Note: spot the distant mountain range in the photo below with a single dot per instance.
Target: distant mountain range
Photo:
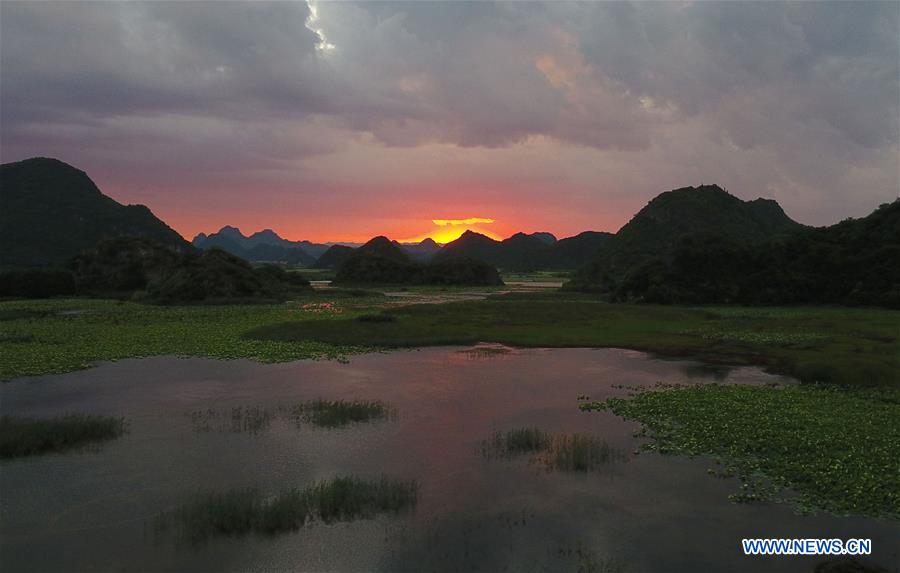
(51, 211)
(527, 252)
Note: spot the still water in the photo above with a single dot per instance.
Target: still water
(94, 510)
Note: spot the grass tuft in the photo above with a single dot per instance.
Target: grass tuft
(562, 452)
(26, 436)
(336, 413)
(239, 512)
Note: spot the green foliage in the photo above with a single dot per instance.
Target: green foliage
(26, 436)
(856, 262)
(61, 335)
(154, 273)
(838, 450)
(36, 283)
(336, 413)
(240, 512)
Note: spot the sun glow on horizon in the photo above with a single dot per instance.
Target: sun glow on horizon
(448, 230)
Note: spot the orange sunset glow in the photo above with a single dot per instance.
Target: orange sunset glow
(447, 230)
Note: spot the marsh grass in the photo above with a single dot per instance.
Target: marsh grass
(26, 436)
(579, 453)
(240, 419)
(561, 452)
(239, 512)
(337, 413)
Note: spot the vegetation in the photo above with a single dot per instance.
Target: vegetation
(153, 273)
(336, 413)
(367, 268)
(239, 512)
(26, 436)
(822, 344)
(837, 450)
(53, 211)
(562, 452)
(856, 262)
(36, 283)
(61, 335)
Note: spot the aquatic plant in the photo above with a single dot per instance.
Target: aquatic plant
(837, 449)
(243, 511)
(336, 413)
(27, 436)
(562, 452)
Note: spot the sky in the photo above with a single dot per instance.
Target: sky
(338, 121)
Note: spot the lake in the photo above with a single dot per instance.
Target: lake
(94, 510)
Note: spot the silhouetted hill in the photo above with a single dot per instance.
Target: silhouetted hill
(854, 262)
(548, 238)
(573, 252)
(657, 228)
(334, 256)
(421, 252)
(261, 246)
(522, 252)
(51, 211)
(471, 245)
(383, 247)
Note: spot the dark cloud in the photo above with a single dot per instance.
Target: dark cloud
(797, 100)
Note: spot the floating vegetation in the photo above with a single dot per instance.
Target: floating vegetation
(239, 512)
(837, 449)
(336, 413)
(26, 436)
(240, 419)
(562, 452)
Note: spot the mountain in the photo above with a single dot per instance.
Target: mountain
(856, 262)
(334, 256)
(261, 246)
(421, 252)
(573, 252)
(52, 211)
(548, 238)
(526, 252)
(383, 247)
(657, 229)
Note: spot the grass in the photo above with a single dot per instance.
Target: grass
(561, 452)
(837, 450)
(239, 512)
(26, 436)
(851, 346)
(336, 413)
(62, 335)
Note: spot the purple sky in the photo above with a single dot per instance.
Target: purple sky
(339, 121)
